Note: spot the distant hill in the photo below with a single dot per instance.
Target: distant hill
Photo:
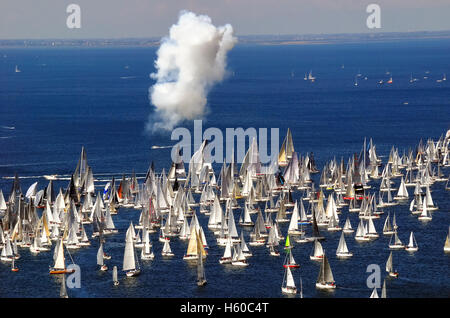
(286, 39)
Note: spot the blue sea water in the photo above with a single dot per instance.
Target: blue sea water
(66, 98)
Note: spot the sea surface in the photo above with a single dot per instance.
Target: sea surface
(66, 98)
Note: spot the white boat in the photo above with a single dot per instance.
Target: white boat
(412, 244)
(390, 267)
(447, 242)
(227, 255)
(347, 227)
(244, 246)
(147, 251)
(360, 234)
(325, 280)
(425, 215)
(374, 293)
(288, 286)
(383, 290)
(60, 262)
(130, 262)
(395, 243)
(7, 254)
(402, 193)
(342, 250)
(201, 278)
(114, 275)
(318, 252)
(239, 258)
(17, 70)
(371, 231)
(311, 77)
(100, 258)
(387, 228)
(167, 251)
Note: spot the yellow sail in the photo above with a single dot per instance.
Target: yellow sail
(45, 223)
(282, 158)
(200, 245)
(17, 231)
(195, 244)
(192, 246)
(289, 144)
(237, 191)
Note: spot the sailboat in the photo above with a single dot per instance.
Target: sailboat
(425, 215)
(447, 242)
(288, 286)
(17, 69)
(289, 260)
(347, 227)
(100, 261)
(402, 193)
(147, 252)
(244, 246)
(361, 235)
(60, 264)
(387, 228)
(342, 250)
(192, 250)
(286, 150)
(227, 255)
(7, 254)
(167, 251)
(390, 267)
(383, 290)
(318, 252)
(325, 280)
(311, 77)
(130, 262)
(239, 258)
(114, 274)
(397, 244)
(374, 293)
(13, 266)
(201, 278)
(412, 244)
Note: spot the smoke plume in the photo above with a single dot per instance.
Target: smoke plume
(189, 62)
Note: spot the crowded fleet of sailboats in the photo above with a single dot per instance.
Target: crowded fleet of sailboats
(177, 205)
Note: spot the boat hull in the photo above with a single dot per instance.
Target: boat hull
(325, 285)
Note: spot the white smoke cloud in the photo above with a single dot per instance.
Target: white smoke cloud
(189, 62)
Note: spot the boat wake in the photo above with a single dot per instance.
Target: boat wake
(8, 127)
(161, 147)
(127, 77)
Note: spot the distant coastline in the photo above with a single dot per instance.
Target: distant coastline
(292, 39)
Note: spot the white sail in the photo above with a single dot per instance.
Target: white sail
(289, 279)
(374, 293)
(100, 255)
(128, 257)
(342, 247)
(60, 262)
(318, 249)
(2, 201)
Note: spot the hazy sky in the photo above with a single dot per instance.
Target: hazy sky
(31, 19)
